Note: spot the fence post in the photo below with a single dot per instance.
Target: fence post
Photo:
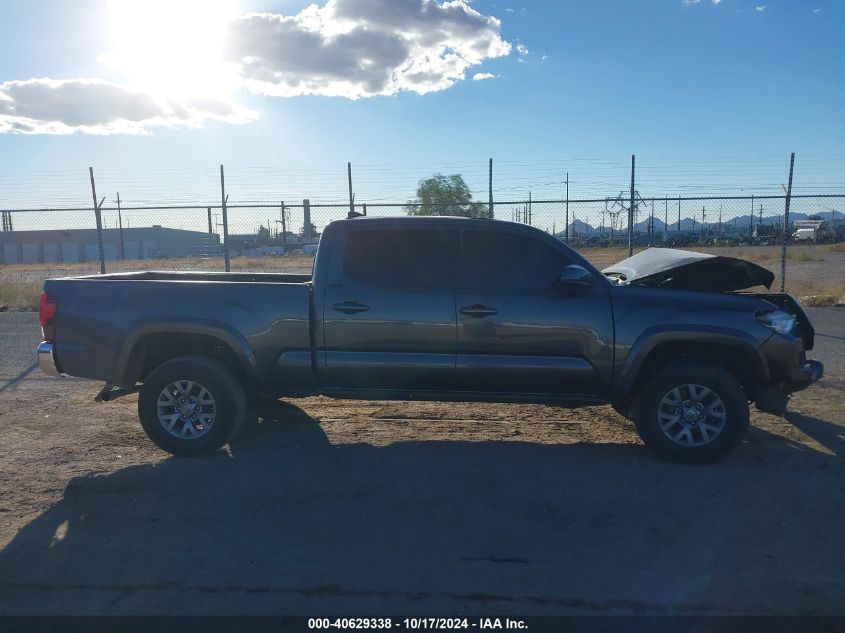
(120, 224)
(284, 225)
(351, 195)
(490, 189)
(306, 221)
(224, 199)
(786, 226)
(530, 210)
(209, 221)
(566, 228)
(98, 216)
(631, 211)
(751, 236)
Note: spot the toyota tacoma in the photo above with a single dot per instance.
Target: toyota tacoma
(447, 309)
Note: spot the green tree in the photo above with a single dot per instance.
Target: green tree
(445, 195)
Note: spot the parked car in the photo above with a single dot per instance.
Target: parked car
(448, 309)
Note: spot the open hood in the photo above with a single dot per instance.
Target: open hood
(688, 270)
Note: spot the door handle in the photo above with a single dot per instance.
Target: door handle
(350, 307)
(478, 311)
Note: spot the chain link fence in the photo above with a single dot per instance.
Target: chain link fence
(36, 244)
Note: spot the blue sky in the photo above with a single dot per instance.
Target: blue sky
(711, 97)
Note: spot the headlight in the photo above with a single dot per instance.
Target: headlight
(780, 321)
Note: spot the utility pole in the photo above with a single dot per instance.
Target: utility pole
(703, 218)
(224, 199)
(209, 221)
(720, 218)
(490, 189)
(99, 218)
(120, 226)
(349, 179)
(284, 224)
(631, 210)
(786, 225)
(567, 208)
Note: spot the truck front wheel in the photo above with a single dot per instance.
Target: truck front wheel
(191, 405)
(692, 412)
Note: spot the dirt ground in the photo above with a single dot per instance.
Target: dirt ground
(350, 507)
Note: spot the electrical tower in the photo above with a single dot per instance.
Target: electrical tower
(622, 203)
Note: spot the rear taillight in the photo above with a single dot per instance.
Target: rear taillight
(46, 309)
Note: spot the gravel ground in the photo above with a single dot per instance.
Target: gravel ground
(355, 507)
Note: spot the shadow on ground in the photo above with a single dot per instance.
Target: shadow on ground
(828, 434)
(288, 523)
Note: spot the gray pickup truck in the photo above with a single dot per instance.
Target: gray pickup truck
(437, 308)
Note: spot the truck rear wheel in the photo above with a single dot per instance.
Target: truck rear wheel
(191, 405)
(693, 412)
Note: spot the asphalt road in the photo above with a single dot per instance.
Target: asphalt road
(19, 334)
(830, 338)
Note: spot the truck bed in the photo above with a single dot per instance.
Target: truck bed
(102, 321)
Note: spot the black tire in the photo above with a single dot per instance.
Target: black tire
(650, 404)
(225, 390)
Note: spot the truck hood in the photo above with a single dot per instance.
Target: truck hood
(688, 270)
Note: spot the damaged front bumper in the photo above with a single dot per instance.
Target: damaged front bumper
(790, 371)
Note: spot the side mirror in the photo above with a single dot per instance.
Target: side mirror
(574, 278)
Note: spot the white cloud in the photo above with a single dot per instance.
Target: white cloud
(760, 7)
(363, 48)
(716, 1)
(689, 2)
(348, 48)
(509, 10)
(94, 106)
(816, 10)
(480, 76)
(544, 57)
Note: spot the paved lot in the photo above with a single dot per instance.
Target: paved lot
(354, 507)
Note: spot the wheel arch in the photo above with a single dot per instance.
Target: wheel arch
(152, 344)
(734, 351)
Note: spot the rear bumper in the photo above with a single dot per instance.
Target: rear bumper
(47, 360)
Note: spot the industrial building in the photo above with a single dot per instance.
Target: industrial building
(80, 245)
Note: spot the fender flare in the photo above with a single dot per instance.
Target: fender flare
(649, 340)
(127, 367)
